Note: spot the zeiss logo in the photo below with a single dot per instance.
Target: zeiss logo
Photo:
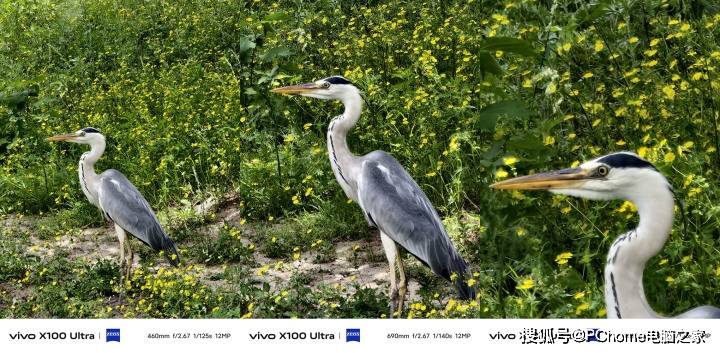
(352, 334)
(112, 334)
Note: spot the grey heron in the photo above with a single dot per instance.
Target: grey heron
(388, 196)
(118, 199)
(621, 175)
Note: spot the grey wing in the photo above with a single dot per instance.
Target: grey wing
(393, 202)
(123, 204)
(701, 312)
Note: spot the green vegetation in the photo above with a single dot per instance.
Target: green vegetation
(181, 90)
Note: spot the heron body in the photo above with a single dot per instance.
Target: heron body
(118, 200)
(388, 196)
(621, 175)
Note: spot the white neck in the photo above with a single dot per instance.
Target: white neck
(86, 171)
(341, 158)
(624, 293)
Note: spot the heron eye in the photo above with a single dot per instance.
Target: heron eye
(82, 133)
(602, 170)
(326, 85)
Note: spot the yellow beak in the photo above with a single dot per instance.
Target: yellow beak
(64, 137)
(296, 89)
(558, 179)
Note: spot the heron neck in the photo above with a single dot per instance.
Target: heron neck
(624, 292)
(88, 177)
(343, 161)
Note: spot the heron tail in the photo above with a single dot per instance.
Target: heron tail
(464, 291)
(171, 252)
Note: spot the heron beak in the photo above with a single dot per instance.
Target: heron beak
(557, 179)
(296, 89)
(64, 137)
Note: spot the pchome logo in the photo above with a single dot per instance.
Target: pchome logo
(593, 334)
(112, 334)
(352, 334)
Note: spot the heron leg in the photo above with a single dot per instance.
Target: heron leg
(122, 238)
(131, 257)
(403, 284)
(391, 252)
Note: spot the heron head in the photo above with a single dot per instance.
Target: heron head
(333, 87)
(88, 136)
(620, 175)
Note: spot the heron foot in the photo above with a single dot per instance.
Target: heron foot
(394, 303)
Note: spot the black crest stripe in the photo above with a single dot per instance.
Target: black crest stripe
(338, 80)
(91, 130)
(626, 160)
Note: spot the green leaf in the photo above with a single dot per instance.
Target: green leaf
(275, 53)
(526, 142)
(245, 44)
(276, 16)
(508, 45)
(488, 64)
(589, 14)
(490, 114)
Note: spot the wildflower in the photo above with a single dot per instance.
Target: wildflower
(582, 307)
(669, 157)
(509, 161)
(669, 91)
(563, 258)
(599, 46)
(551, 88)
(526, 284)
(501, 174)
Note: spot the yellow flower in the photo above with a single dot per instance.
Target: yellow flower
(526, 284)
(549, 140)
(633, 40)
(551, 88)
(471, 282)
(579, 295)
(669, 91)
(669, 157)
(509, 161)
(563, 258)
(587, 75)
(599, 46)
(582, 307)
(501, 174)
